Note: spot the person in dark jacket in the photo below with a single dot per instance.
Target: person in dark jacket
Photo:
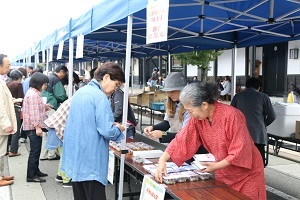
(16, 89)
(55, 91)
(117, 109)
(258, 110)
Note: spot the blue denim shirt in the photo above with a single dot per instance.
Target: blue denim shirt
(87, 133)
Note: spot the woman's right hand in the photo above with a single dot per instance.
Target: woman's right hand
(147, 130)
(121, 126)
(161, 168)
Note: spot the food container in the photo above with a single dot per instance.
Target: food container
(190, 175)
(169, 180)
(137, 159)
(181, 179)
(193, 178)
(205, 176)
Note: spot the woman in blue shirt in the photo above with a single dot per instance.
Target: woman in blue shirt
(89, 128)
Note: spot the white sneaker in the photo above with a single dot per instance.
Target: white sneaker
(23, 140)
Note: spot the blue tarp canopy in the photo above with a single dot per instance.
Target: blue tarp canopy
(193, 25)
(217, 24)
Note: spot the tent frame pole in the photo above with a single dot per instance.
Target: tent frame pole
(125, 101)
(71, 50)
(233, 70)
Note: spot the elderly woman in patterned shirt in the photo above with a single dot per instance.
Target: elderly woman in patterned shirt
(222, 130)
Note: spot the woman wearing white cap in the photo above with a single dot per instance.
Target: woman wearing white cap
(176, 116)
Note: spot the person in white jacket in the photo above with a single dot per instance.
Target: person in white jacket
(8, 121)
(226, 86)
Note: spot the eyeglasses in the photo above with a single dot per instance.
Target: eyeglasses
(118, 84)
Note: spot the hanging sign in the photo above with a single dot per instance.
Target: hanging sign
(24, 59)
(50, 54)
(43, 56)
(151, 190)
(60, 50)
(37, 58)
(111, 167)
(157, 21)
(79, 46)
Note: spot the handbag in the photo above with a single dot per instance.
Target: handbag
(131, 116)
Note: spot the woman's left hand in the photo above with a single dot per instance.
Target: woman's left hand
(213, 166)
(210, 166)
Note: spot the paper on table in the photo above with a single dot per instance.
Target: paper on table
(197, 164)
(204, 157)
(146, 161)
(148, 153)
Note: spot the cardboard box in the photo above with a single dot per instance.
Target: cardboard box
(145, 99)
(149, 89)
(160, 96)
(297, 131)
(133, 99)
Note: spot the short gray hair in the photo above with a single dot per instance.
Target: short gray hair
(197, 93)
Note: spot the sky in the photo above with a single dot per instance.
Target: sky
(26, 22)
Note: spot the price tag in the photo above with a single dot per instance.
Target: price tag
(111, 167)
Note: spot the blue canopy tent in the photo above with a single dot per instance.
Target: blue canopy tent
(196, 24)
(193, 25)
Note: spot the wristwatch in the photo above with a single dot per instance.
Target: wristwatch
(164, 133)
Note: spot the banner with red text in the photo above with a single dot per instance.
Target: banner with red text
(157, 21)
(152, 190)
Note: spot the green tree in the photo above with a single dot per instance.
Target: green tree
(42, 66)
(200, 59)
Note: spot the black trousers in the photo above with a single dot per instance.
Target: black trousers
(88, 190)
(14, 144)
(262, 151)
(34, 155)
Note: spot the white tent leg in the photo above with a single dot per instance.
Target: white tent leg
(169, 62)
(125, 102)
(47, 62)
(233, 69)
(71, 50)
(132, 69)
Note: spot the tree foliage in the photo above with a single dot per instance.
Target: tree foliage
(42, 66)
(200, 59)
